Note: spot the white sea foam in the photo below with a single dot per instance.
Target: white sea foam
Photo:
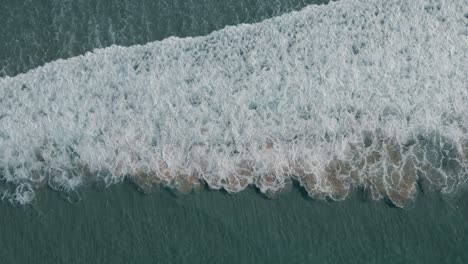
(355, 94)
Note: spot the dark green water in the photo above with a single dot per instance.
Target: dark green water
(122, 225)
(33, 32)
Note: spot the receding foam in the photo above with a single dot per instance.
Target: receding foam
(355, 94)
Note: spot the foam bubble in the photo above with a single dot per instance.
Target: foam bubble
(356, 94)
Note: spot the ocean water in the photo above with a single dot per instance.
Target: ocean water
(35, 32)
(122, 225)
(332, 133)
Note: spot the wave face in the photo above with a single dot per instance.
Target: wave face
(356, 94)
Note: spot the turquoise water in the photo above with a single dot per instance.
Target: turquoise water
(121, 224)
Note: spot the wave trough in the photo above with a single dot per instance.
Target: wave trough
(355, 94)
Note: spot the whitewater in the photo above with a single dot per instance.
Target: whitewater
(356, 94)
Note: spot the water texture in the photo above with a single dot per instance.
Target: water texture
(120, 225)
(33, 32)
(355, 101)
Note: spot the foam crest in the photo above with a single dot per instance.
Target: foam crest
(356, 94)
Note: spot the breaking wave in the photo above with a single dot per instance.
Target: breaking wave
(356, 94)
